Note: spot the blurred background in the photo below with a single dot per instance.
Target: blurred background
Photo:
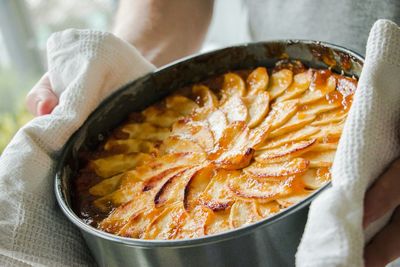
(25, 26)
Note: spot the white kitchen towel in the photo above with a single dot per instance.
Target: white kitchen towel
(370, 141)
(84, 67)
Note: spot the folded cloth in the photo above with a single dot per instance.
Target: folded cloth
(370, 141)
(84, 67)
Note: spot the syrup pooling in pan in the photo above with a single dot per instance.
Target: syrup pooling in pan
(217, 155)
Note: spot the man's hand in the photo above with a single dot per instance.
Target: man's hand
(383, 196)
(41, 99)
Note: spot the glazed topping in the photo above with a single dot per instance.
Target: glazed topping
(205, 161)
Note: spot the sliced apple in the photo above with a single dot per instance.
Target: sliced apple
(293, 199)
(218, 222)
(321, 147)
(160, 116)
(138, 222)
(257, 81)
(193, 225)
(175, 144)
(333, 116)
(247, 187)
(316, 178)
(112, 165)
(130, 146)
(258, 107)
(173, 190)
(280, 81)
(329, 133)
(120, 216)
(306, 133)
(285, 152)
(217, 122)
(196, 131)
(145, 131)
(205, 97)
(235, 109)
(217, 195)
(233, 86)
(267, 209)
(301, 82)
(106, 186)
(180, 104)
(277, 170)
(281, 113)
(243, 213)
(165, 225)
(319, 107)
(320, 159)
(197, 185)
(298, 121)
(318, 91)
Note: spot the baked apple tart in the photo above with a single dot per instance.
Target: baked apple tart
(218, 155)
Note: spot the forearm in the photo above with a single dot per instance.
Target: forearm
(164, 31)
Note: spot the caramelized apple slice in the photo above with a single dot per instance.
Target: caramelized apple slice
(130, 146)
(267, 209)
(173, 189)
(175, 144)
(196, 131)
(120, 216)
(180, 104)
(316, 178)
(165, 225)
(320, 107)
(293, 199)
(145, 131)
(281, 113)
(233, 151)
(277, 170)
(235, 109)
(106, 186)
(303, 134)
(329, 133)
(285, 152)
(138, 222)
(333, 116)
(217, 122)
(280, 81)
(298, 121)
(160, 117)
(233, 86)
(258, 107)
(217, 195)
(194, 223)
(257, 81)
(321, 147)
(246, 187)
(197, 185)
(218, 222)
(243, 213)
(320, 159)
(112, 165)
(301, 82)
(317, 90)
(205, 97)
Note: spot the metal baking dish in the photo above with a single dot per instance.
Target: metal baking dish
(269, 242)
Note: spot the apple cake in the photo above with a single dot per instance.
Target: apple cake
(217, 155)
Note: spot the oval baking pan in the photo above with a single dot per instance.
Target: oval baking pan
(269, 242)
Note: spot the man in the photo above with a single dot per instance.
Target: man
(164, 31)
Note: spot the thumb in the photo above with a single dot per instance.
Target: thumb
(41, 99)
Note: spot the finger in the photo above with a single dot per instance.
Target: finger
(41, 99)
(385, 246)
(383, 196)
